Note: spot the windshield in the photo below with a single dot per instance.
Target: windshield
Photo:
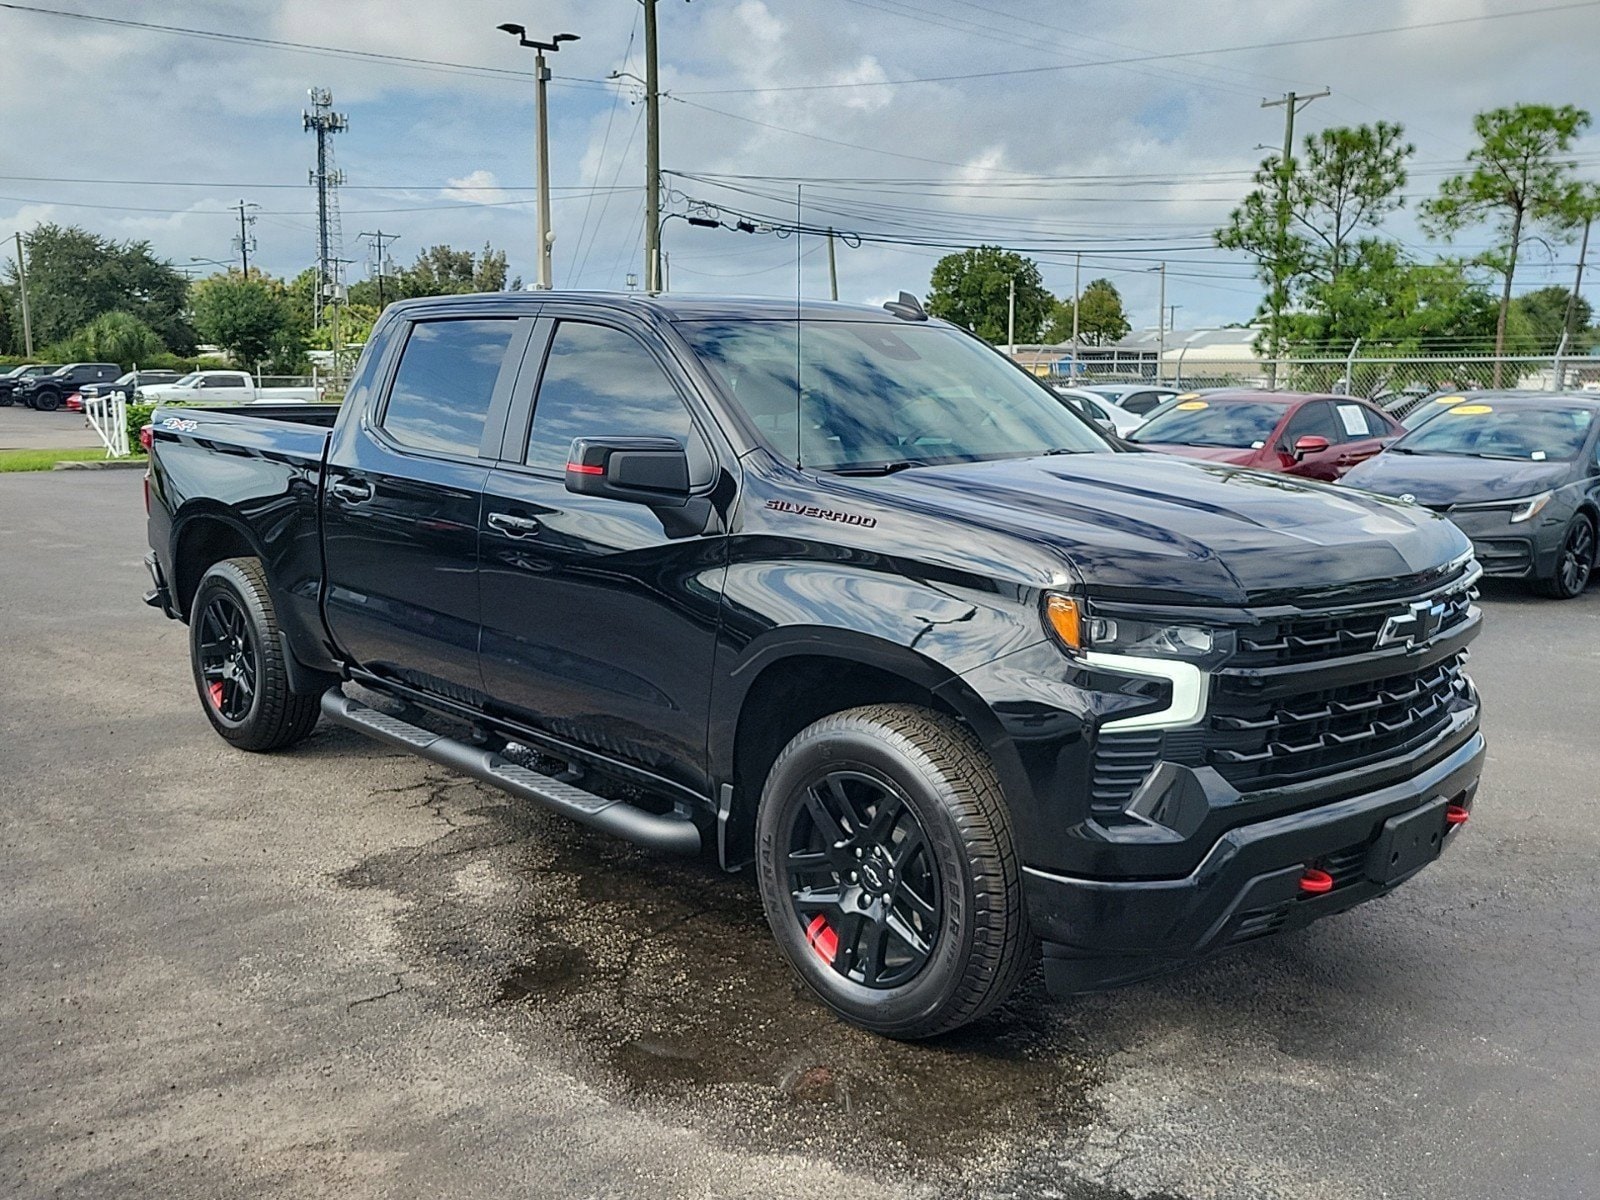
(186, 381)
(130, 377)
(879, 396)
(1429, 408)
(1524, 431)
(1236, 426)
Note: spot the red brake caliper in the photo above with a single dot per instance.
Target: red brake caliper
(822, 939)
(216, 694)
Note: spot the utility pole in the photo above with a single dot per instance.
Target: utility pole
(652, 160)
(1577, 284)
(1077, 300)
(833, 268)
(22, 288)
(541, 74)
(1172, 316)
(380, 264)
(1011, 319)
(1292, 103)
(246, 242)
(1161, 325)
(324, 122)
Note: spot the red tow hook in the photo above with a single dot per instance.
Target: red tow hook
(1456, 814)
(1316, 881)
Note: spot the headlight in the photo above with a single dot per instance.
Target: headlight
(1527, 509)
(1079, 630)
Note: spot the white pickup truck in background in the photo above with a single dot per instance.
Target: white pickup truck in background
(223, 387)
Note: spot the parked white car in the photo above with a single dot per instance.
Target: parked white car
(1099, 410)
(223, 387)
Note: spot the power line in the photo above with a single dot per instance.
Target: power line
(1143, 58)
(402, 60)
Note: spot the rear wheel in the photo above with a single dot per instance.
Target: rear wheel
(888, 873)
(238, 661)
(1574, 563)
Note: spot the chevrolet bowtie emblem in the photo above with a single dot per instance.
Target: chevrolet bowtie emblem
(1415, 627)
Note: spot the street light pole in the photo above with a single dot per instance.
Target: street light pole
(652, 160)
(541, 74)
(1161, 325)
(22, 288)
(1077, 302)
(1011, 319)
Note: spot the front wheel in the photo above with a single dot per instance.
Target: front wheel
(47, 402)
(888, 873)
(238, 660)
(1574, 563)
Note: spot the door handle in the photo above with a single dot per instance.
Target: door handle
(355, 491)
(512, 525)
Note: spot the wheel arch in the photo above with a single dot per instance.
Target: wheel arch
(201, 539)
(808, 674)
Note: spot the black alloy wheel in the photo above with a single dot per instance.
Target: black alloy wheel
(888, 873)
(1575, 562)
(229, 663)
(238, 655)
(863, 880)
(46, 401)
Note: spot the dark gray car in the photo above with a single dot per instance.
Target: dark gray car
(1519, 475)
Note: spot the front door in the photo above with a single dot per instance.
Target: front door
(600, 615)
(401, 503)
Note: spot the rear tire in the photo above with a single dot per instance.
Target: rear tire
(888, 872)
(1574, 563)
(238, 661)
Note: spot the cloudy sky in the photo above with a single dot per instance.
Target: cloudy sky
(1091, 126)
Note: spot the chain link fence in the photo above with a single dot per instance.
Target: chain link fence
(1373, 376)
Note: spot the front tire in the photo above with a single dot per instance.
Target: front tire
(1574, 562)
(47, 401)
(888, 872)
(238, 660)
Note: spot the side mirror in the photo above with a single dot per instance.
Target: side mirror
(1106, 425)
(1311, 443)
(642, 470)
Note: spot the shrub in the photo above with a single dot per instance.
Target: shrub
(138, 418)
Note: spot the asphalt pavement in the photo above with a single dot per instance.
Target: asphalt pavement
(23, 428)
(342, 972)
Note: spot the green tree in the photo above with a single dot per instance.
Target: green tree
(1348, 180)
(1538, 318)
(972, 289)
(118, 337)
(1520, 181)
(75, 276)
(246, 317)
(446, 271)
(1101, 317)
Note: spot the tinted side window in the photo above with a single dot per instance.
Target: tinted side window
(445, 383)
(1314, 420)
(601, 381)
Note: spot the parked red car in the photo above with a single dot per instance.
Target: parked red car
(1295, 433)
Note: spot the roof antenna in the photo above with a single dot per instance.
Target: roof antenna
(799, 462)
(907, 308)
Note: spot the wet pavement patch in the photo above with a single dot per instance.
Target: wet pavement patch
(657, 981)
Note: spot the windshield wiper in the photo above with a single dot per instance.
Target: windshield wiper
(883, 468)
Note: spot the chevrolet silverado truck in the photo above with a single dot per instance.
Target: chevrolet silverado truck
(842, 594)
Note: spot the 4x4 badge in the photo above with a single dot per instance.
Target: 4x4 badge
(1417, 626)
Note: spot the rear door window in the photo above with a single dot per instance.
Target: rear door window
(445, 383)
(600, 381)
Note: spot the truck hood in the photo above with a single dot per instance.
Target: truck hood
(1152, 528)
(1441, 479)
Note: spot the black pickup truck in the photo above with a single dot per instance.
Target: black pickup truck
(842, 593)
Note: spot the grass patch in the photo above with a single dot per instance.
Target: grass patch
(44, 460)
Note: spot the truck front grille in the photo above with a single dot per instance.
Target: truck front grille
(1257, 743)
(1312, 637)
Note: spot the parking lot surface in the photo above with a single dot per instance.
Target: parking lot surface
(341, 971)
(21, 428)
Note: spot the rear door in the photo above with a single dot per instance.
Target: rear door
(600, 615)
(402, 495)
(1365, 432)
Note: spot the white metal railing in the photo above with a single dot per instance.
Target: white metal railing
(108, 417)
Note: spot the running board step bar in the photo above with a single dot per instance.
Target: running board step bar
(670, 834)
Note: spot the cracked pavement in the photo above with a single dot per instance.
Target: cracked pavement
(341, 971)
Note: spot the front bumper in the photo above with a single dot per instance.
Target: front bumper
(1103, 933)
(1525, 550)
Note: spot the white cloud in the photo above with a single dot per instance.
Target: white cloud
(476, 187)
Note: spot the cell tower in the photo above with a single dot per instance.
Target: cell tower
(326, 178)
